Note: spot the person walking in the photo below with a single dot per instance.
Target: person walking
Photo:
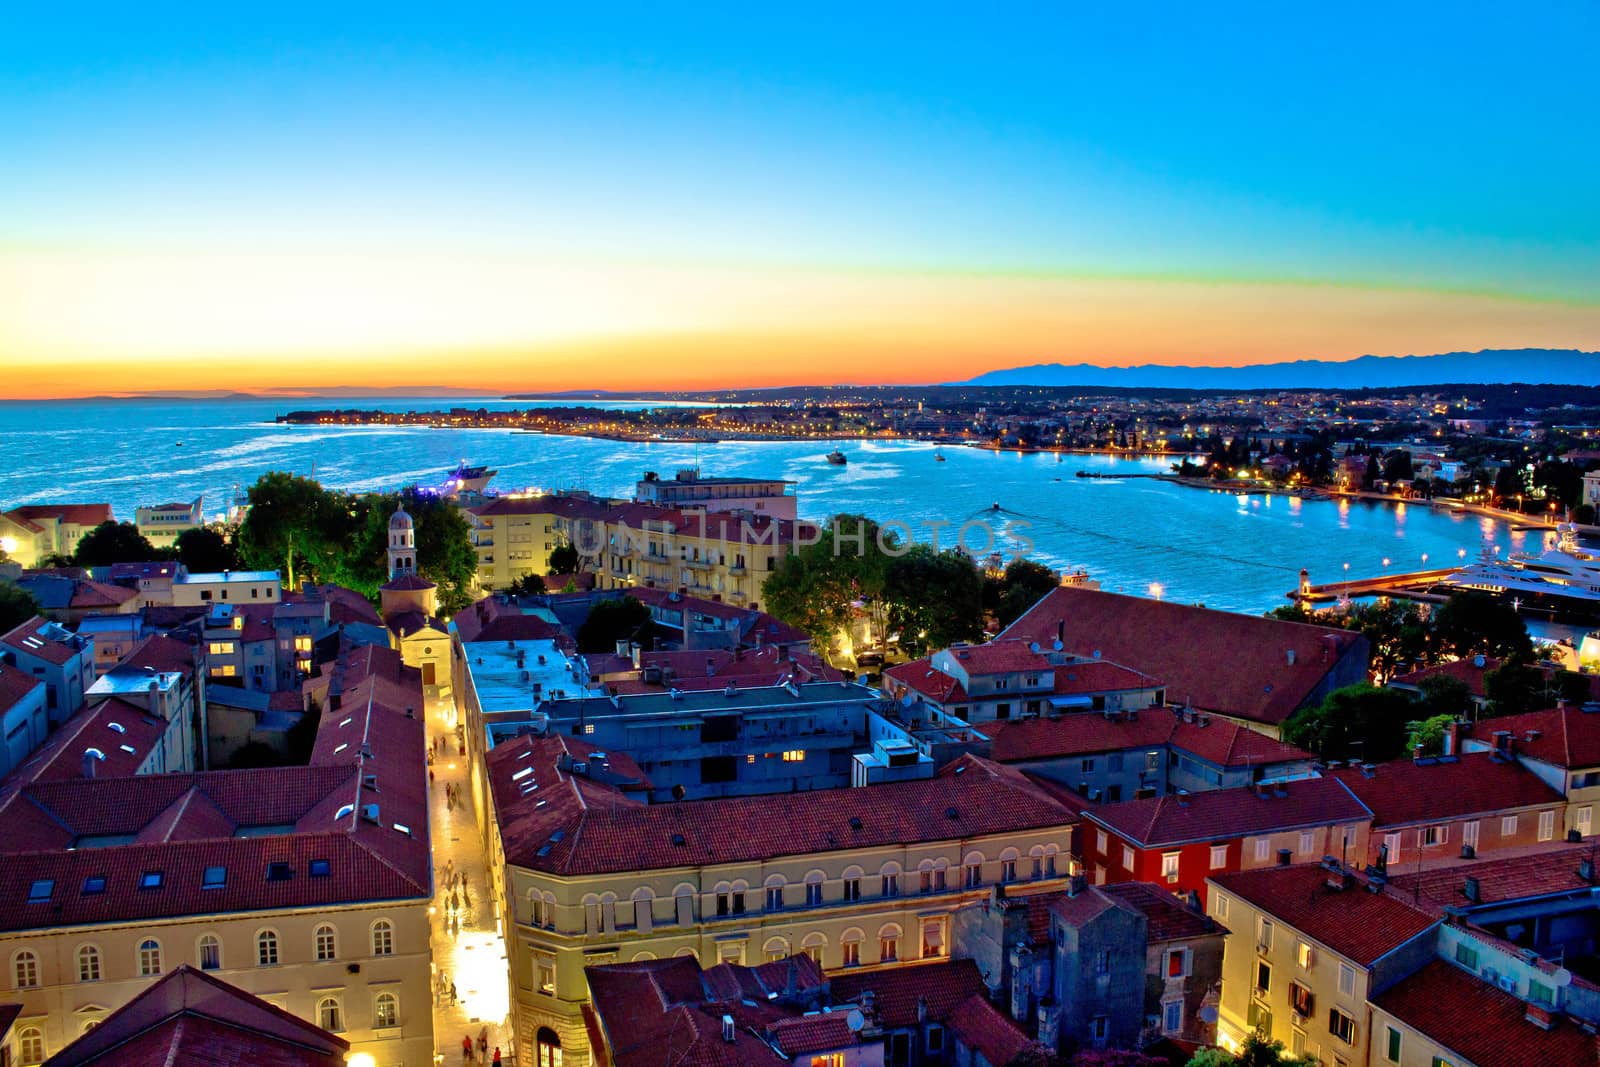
(466, 1049)
(496, 1060)
(483, 1045)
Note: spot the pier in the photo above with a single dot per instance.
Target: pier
(1412, 585)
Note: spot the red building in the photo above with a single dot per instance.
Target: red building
(1179, 841)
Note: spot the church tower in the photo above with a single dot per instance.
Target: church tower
(402, 545)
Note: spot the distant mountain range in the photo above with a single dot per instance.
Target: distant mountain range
(1534, 366)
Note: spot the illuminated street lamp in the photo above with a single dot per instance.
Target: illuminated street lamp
(1156, 590)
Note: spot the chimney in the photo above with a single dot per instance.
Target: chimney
(922, 1010)
(1284, 856)
(88, 763)
(1452, 738)
(1061, 630)
(1289, 656)
(727, 1029)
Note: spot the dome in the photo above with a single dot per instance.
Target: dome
(400, 520)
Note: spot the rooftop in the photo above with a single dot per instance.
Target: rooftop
(230, 577)
(505, 673)
(43, 639)
(1360, 925)
(1498, 880)
(77, 514)
(1563, 737)
(1405, 791)
(1219, 814)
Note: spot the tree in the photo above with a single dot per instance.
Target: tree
(445, 553)
(296, 527)
(1022, 586)
(113, 542)
(1373, 473)
(1117, 1057)
(933, 599)
(816, 588)
(1397, 467)
(612, 620)
(527, 585)
(1428, 734)
(17, 606)
(1471, 622)
(1515, 687)
(1508, 484)
(1443, 694)
(564, 559)
(1258, 1051)
(1356, 722)
(203, 550)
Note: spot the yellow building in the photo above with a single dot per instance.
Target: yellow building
(410, 606)
(514, 537)
(1309, 945)
(34, 531)
(585, 873)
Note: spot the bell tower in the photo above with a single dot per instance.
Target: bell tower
(402, 545)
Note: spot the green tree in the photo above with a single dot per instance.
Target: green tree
(815, 589)
(1258, 1051)
(113, 542)
(528, 585)
(1443, 694)
(613, 619)
(1022, 586)
(203, 550)
(296, 527)
(1515, 687)
(564, 559)
(1428, 733)
(1397, 467)
(1356, 722)
(1471, 622)
(1508, 486)
(17, 606)
(933, 599)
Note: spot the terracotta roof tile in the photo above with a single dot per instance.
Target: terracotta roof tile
(75, 514)
(1402, 792)
(941, 987)
(1167, 918)
(1360, 925)
(1229, 813)
(1567, 737)
(48, 645)
(1499, 879)
(980, 1026)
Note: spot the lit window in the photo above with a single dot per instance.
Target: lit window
(302, 644)
(88, 964)
(25, 970)
(149, 958)
(386, 1010)
(794, 755)
(325, 942)
(329, 1015)
(1303, 955)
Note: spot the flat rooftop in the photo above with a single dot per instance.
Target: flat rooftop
(227, 576)
(125, 680)
(505, 685)
(771, 699)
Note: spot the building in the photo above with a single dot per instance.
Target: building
(585, 872)
(1559, 745)
(1428, 808)
(1311, 943)
(114, 636)
(226, 587)
(67, 597)
(264, 648)
(162, 523)
(28, 534)
(153, 580)
(62, 660)
(1469, 672)
(688, 491)
(1254, 669)
(306, 886)
(1015, 679)
(23, 716)
(190, 1016)
(1111, 757)
(514, 535)
(1180, 841)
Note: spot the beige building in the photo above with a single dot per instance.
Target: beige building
(162, 523)
(584, 873)
(34, 531)
(514, 537)
(226, 587)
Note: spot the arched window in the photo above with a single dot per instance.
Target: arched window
(889, 880)
(25, 970)
(329, 1015)
(1008, 865)
(688, 952)
(267, 948)
(591, 914)
(852, 883)
(386, 1010)
(814, 946)
(1050, 854)
(325, 943)
(683, 905)
(546, 1048)
(210, 952)
(850, 944)
(814, 881)
(608, 912)
(88, 963)
(889, 943)
(641, 956)
(30, 1044)
(775, 949)
(383, 938)
(972, 871)
(1036, 857)
(643, 911)
(149, 957)
(775, 884)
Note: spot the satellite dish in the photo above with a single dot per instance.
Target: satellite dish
(855, 1020)
(1208, 1014)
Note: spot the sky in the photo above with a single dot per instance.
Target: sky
(692, 196)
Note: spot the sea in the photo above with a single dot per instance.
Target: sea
(1131, 533)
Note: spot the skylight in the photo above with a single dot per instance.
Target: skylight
(320, 868)
(520, 775)
(39, 892)
(95, 883)
(279, 872)
(150, 880)
(215, 878)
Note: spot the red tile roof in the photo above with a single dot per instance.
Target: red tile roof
(1099, 676)
(1230, 813)
(161, 653)
(75, 514)
(1567, 737)
(920, 677)
(1074, 735)
(980, 1026)
(91, 594)
(1231, 744)
(490, 620)
(14, 686)
(1499, 879)
(409, 582)
(188, 1016)
(1481, 1024)
(345, 605)
(111, 728)
(1167, 918)
(1360, 925)
(941, 987)
(1214, 660)
(1463, 670)
(573, 825)
(999, 657)
(27, 640)
(1402, 792)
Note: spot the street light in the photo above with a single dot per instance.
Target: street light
(1424, 561)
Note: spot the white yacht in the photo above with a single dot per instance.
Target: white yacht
(1565, 578)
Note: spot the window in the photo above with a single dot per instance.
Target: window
(925, 880)
(935, 1039)
(1100, 1027)
(973, 876)
(890, 884)
(1429, 836)
(1466, 955)
(385, 1010)
(323, 868)
(889, 946)
(1127, 858)
(1391, 1045)
(1582, 819)
(932, 939)
(149, 958)
(1547, 825)
(1469, 833)
(547, 1048)
(1102, 962)
(1088, 766)
(267, 948)
(150, 880)
(1304, 956)
(813, 893)
(774, 898)
(1308, 842)
(1341, 1026)
(1172, 1017)
(1508, 826)
(1219, 905)
(852, 889)
(1169, 867)
(325, 943)
(1219, 857)
(25, 970)
(1263, 849)
(210, 953)
(214, 878)
(1263, 933)
(39, 892)
(302, 644)
(1263, 976)
(1539, 993)
(1347, 980)
(1100, 843)
(88, 964)
(939, 879)
(383, 938)
(1008, 870)
(329, 1015)
(545, 975)
(30, 1044)
(94, 884)
(1259, 1018)
(1300, 1000)
(850, 953)
(794, 755)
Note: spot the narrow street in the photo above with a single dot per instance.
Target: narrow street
(469, 956)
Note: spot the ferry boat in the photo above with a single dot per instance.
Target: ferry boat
(465, 479)
(837, 458)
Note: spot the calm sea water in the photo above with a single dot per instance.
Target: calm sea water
(1239, 553)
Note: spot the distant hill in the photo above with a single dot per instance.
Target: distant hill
(1541, 366)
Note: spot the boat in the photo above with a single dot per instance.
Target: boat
(1563, 580)
(938, 457)
(465, 479)
(837, 458)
